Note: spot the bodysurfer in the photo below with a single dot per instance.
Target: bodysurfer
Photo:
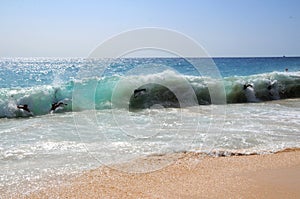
(56, 105)
(24, 107)
(247, 85)
(137, 92)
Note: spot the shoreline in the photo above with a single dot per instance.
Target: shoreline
(193, 175)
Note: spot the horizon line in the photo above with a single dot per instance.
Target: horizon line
(133, 57)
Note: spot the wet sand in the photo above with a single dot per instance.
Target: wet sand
(192, 176)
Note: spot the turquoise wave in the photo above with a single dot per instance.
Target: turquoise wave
(153, 92)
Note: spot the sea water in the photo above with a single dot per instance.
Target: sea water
(102, 121)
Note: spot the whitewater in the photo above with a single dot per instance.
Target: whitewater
(103, 121)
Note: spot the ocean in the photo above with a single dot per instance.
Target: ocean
(61, 116)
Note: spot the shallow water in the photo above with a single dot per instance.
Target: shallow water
(68, 143)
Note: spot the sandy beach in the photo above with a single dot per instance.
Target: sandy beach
(193, 175)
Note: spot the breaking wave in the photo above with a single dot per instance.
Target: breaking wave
(110, 92)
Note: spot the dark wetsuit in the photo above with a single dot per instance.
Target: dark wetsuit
(137, 91)
(247, 85)
(56, 105)
(24, 107)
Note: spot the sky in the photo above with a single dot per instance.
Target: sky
(225, 28)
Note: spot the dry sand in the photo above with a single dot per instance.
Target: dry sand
(193, 176)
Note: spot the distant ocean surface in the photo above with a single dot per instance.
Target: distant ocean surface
(124, 110)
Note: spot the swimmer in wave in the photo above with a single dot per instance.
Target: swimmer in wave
(24, 107)
(25, 110)
(138, 92)
(247, 85)
(57, 105)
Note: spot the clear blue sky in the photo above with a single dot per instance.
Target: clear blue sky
(34, 28)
